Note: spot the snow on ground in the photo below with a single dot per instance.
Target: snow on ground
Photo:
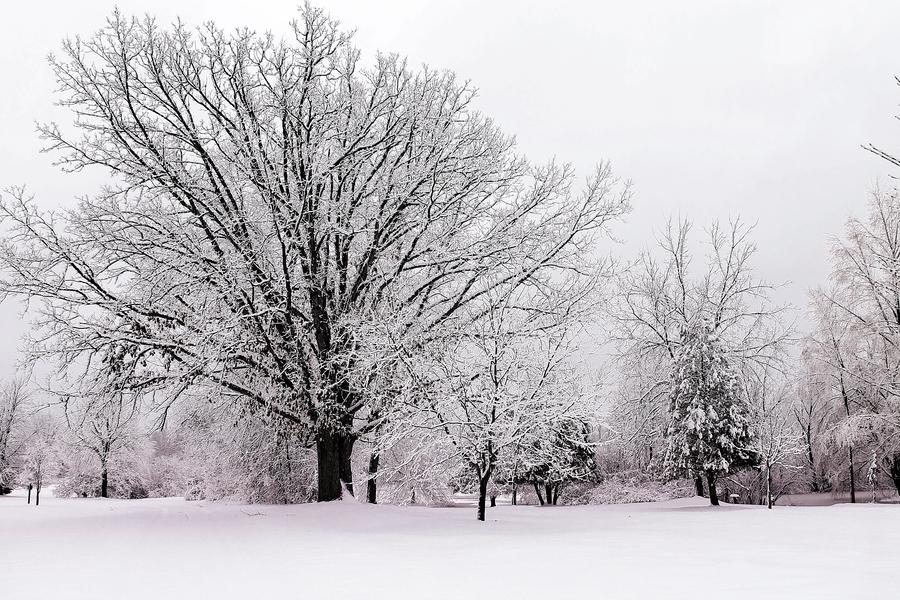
(68, 549)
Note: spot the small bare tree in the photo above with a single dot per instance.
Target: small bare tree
(777, 442)
(39, 454)
(102, 425)
(14, 398)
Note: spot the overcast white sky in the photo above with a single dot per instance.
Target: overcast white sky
(713, 108)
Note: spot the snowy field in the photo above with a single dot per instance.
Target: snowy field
(171, 549)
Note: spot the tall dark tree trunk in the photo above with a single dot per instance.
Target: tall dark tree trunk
(711, 484)
(372, 484)
(768, 486)
(482, 495)
(515, 491)
(698, 485)
(333, 453)
(493, 501)
(37, 494)
(548, 493)
(346, 471)
(104, 482)
(537, 492)
(852, 476)
(29, 493)
(846, 399)
(334, 445)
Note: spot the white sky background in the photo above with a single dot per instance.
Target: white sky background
(714, 109)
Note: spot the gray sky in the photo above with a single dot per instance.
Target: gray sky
(713, 108)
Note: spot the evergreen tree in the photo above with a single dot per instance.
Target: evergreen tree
(709, 432)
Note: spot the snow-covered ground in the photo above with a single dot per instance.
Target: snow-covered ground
(170, 549)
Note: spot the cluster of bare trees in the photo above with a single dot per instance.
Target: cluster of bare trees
(344, 258)
(853, 350)
(674, 288)
(505, 391)
(825, 410)
(822, 413)
(271, 202)
(40, 440)
(13, 405)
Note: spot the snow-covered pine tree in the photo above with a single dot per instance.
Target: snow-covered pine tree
(709, 432)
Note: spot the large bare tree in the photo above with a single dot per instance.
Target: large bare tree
(268, 198)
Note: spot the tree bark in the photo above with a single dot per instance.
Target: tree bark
(372, 484)
(29, 493)
(548, 493)
(537, 491)
(346, 470)
(493, 501)
(852, 476)
(104, 482)
(846, 399)
(333, 453)
(482, 496)
(515, 491)
(768, 487)
(698, 485)
(37, 494)
(711, 484)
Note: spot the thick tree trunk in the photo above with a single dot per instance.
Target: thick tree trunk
(482, 496)
(548, 493)
(104, 482)
(711, 484)
(331, 459)
(493, 501)
(698, 485)
(37, 494)
(372, 484)
(346, 448)
(537, 492)
(515, 491)
(29, 493)
(556, 494)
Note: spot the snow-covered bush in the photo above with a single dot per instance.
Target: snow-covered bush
(622, 488)
(250, 460)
